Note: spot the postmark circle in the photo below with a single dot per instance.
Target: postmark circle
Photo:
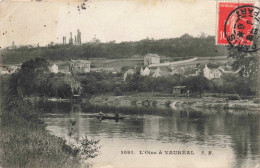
(242, 28)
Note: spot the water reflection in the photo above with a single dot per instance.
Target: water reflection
(233, 136)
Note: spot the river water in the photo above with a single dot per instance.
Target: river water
(151, 137)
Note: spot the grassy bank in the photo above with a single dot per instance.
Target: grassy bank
(165, 101)
(26, 143)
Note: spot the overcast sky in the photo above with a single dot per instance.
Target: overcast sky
(107, 20)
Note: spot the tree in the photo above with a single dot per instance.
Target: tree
(197, 84)
(247, 64)
(33, 77)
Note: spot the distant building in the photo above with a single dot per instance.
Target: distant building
(79, 66)
(129, 72)
(78, 41)
(71, 39)
(151, 59)
(158, 73)
(211, 73)
(54, 68)
(64, 40)
(178, 90)
(145, 72)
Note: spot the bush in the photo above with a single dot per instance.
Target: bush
(233, 97)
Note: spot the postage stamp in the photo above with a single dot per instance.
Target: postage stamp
(238, 25)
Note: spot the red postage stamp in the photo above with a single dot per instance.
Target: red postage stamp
(235, 23)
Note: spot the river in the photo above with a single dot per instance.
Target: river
(185, 138)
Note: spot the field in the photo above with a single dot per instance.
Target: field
(115, 65)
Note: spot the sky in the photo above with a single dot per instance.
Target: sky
(32, 22)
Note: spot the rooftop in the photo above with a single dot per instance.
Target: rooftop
(152, 55)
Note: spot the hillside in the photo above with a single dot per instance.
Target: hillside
(184, 46)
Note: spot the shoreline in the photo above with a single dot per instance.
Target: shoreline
(175, 102)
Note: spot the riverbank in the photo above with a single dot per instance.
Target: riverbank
(174, 102)
(26, 142)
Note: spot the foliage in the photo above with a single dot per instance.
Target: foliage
(184, 46)
(35, 75)
(236, 84)
(24, 139)
(246, 62)
(212, 66)
(197, 84)
(59, 87)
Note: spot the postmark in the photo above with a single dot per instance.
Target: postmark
(242, 28)
(238, 26)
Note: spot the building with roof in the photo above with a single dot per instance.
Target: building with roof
(54, 68)
(145, 72)
(79, 66)
(178, 90)
(161, 72)
(211, 73)
(151, 59)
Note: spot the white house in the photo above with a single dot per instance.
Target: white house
(151, 59)
(54, 68)
(145, 72)
(211, 73)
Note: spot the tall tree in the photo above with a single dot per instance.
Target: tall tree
(33, 76)
(247, 63)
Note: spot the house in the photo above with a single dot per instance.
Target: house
(151, 59)
(129, 72)
(161, 72)
(145, 72)
(211, 73)
(79, 66)
(54, 68)
(178, 90)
